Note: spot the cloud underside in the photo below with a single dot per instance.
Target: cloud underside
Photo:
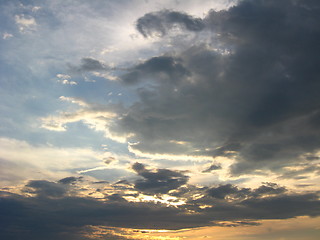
(249, 90)
(245, 87)
(161, 199)
(53, 210)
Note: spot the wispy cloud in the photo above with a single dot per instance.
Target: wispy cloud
(25, 23)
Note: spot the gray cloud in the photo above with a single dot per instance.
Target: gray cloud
(229, 190)
(300, 173)
(160, 68)
(158, 23)
(66, 217)
(44, 188)
(255, 99)
(212, 168)
(69, 180)
(89, 65)
(159, 181)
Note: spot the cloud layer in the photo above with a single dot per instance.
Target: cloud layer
(148, 115)
(53, 210)
(248, 90)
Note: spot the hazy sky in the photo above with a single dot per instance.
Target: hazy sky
(159, 119)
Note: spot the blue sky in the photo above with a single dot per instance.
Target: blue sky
(186, 111)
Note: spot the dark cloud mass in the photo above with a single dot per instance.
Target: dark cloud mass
(158, 23)
(58, 216)
(160, 68)
(160, 181)
(45, 188)
(251, 90)
(228, 190)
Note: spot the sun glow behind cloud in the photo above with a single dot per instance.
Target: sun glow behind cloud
(159, 119)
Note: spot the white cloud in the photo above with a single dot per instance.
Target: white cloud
(96, 117)
(7, 35)
(63, 76)
(21, 160)
(67, 82)
(25, 23)
(74, 101)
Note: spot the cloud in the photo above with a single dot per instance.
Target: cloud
(212, 168)
(69, 180)
(90, 65)
(25, 23)
(59, 215)
(157, 68)
(230, 191)
(95, 116)
(65, 79)
(158, 182)
(20, 160)
(158, 23)
(6, 35)
(248, 89)
(43, 188)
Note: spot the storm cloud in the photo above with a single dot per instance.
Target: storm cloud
(251, 91)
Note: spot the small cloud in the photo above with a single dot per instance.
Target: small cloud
(67, 82)
(74, 101)
(7, 36)
(212, 168)
(63, 76)
(35, 8)
(25, 23)
(108, 50)
(65, 79)
(109, 160)
(69, 180)
(90, 65)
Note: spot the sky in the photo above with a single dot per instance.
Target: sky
(159, 119)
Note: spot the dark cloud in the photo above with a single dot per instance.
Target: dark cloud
(66, 217)
(269, 189)
(123, 182)
(157, 68)
(109, 160)
(251, 91)
(212, 168)
(44, 188)
(89, 65)
(226, 190)
(268, 201)
(233, 192)
(159, 181)
(69, 180)
(159, 23)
